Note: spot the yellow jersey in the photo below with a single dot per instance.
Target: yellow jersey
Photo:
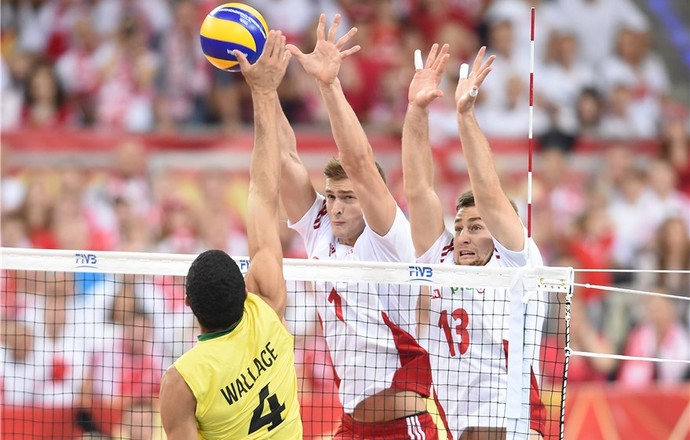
(244, 379)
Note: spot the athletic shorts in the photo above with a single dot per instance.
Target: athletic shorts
(418, 426)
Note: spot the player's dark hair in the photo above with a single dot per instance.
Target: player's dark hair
(466, 200)
(215, 289)
(335, 171)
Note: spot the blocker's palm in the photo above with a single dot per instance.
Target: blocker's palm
(424, 86)
(269, 69)
(464, 100)
(324, 62)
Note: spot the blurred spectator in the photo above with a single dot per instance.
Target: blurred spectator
(37, 212)
(670, 251)
(13, 188)
(180, 228)
(126, 372)
(45, 105)
(225, 104)
(667, 200)
(140, 421)
(590, 244)
(461, 37)
(675, 146)
(161, 298)
(22, 370)
(78, 71)
(127, 70)
(631, 218)
(125, 196)
(14, 231)
(218, 232)
(11, 106)
(502, 111)
(559, 188)
(319, 403)
(182, 84)
(619, 120)
(619, 161)
(596, 23)
(586, 337)
(434, 18)
(63, 341)
(660, 334)
(589, 112)
(292, 17)
(222, 226)
(501, 42)
(32, 22)
(563, 81)
(635, 66)
(292, 248)
(154, 15)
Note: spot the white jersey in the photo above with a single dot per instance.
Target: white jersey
(368, 327)
(467, 340)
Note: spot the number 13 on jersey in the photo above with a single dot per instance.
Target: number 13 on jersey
(454, 326)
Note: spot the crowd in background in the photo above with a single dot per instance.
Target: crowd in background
(136, 66)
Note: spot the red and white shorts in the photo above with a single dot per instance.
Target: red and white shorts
(418, 426)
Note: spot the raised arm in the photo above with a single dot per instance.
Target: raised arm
(493, 205)
(356, 155)
(296, 189)
(425, 209)
(265, 275)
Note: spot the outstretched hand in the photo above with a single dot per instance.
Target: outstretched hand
(424, 85)
(468, 86)
(268, 71)
(324, 62)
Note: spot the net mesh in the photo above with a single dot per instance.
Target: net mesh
(87, 336)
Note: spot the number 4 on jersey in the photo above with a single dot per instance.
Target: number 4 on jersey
(273, 418)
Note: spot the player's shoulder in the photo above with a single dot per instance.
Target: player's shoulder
(256, 304)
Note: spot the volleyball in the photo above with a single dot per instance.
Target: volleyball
(233, 26)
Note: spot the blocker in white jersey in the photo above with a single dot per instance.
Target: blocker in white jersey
(467, 329)
(467, 338)
(384, 374)
(368, 326)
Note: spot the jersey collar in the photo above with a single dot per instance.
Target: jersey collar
(219, 333)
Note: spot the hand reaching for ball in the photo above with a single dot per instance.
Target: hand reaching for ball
(267, 73)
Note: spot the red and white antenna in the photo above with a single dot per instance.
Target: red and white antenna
(531, 123)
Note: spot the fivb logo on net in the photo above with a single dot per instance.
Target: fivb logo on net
(420, 273)
(83, 259)
(243, 264)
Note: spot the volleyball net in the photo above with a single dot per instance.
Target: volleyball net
(87, 335)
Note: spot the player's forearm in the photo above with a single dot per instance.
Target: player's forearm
(265, 162)
(417, 159)
(286, 136)
(348, 133)
(296, 189)
(480, 165)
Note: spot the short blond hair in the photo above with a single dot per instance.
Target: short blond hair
(335, 171)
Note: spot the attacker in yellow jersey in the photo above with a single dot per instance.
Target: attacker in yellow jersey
(239, 381)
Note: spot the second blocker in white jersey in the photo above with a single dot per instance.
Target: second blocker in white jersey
(467, 339)
(368, 327)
